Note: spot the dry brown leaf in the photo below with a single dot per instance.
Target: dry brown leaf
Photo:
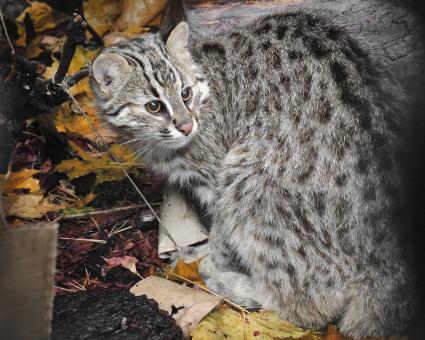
(41, 16)
(52, 43)
(127, 262)
(117, 37)
(29, 206)
(33, 49)
(22, 179)
(333, 334)
(101, 14)
(135, 14)
(187, 270)
(193, 305)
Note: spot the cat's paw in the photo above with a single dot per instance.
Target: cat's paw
(189, 254)
(236, 287)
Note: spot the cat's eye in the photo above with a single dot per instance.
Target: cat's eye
(154, 106)
(186, 94)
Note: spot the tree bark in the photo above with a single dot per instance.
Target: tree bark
(390, 30)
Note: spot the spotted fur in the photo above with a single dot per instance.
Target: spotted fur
(293, 160)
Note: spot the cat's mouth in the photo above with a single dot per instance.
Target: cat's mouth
(183, 135)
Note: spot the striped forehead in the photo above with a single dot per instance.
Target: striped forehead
(151, 58)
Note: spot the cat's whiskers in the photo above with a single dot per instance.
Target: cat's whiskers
(146, 148)
(139, 139)
(152, 150)
(141, 151)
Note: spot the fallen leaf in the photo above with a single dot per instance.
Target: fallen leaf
(83, 201)
(22, 179)
(187, 305)
(41, 16)
(33, 49)
(104, 168)
(187, 270)
(227, 323)
(113, 38)
(29, 206)
(52, 43)
(135, 14)
(332, 333)
(76, 211)
(69, 120)
(127, 262)
(101, 14)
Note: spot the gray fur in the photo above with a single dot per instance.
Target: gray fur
(293, 159)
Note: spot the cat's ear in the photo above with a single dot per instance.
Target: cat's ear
(177, 42)
(107, 68)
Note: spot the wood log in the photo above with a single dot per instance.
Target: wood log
(27, 263)
(392, 31)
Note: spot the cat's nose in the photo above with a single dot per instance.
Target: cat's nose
(185, 128)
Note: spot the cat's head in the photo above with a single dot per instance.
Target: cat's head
(150, 90)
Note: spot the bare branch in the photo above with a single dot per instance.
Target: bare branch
(75, 36)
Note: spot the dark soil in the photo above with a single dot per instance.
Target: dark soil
(109, 193)
(111, 314)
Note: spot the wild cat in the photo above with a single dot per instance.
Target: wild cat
(280, 131)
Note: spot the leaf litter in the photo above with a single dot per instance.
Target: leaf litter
(115, 247)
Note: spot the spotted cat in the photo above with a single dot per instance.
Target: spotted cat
(280, 131)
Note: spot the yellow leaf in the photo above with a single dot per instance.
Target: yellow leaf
(82, 202)
(101, 14)
(227, 323)
(41, 16)
(29, 206)
(104, 168)
(21, 180)
(69, 121)
(187, 270)
(81, 59)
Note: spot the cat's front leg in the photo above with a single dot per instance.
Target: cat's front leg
(234, 286)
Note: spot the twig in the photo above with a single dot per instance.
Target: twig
(75, 36)
(113, 228)
(34, 135)
(95, 223)
(234, 305)
(119, 229)
(76, 77)
(109, 211)
(29, 29)
(5, 32)
(83, 240)
(77, 285)
(94, 34)
(68, 192)
(89, 28)
(65, 289)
